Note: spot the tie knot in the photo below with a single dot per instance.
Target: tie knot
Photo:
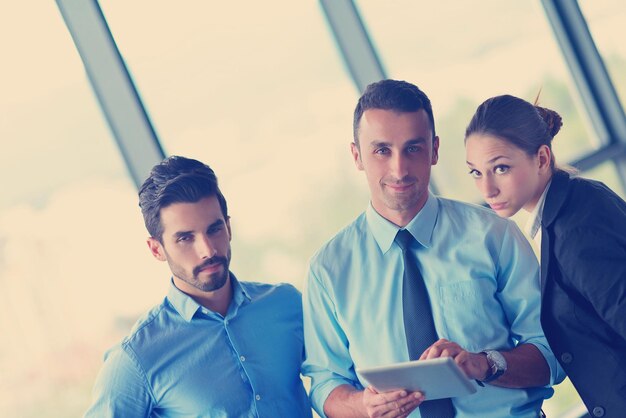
(404, 239)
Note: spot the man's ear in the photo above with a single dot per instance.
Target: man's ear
(156, 249)
(230, 232)
(435, 156)
(356, 154)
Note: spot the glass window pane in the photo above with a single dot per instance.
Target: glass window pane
(74, 271)
(606, 22)
(462, 53)
(260, 95)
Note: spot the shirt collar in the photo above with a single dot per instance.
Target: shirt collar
(241, 294)
(421, 226)
(187, 307)
(534, 221)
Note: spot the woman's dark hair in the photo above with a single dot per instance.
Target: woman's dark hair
(176, 180)
(516, 121)
(394, 95)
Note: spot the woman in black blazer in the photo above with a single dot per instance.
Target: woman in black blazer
(580, 226)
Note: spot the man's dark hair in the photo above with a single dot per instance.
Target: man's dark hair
(176, 180)
(399, 96)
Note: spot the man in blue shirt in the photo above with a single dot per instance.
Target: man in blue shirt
(480, 274)
(215, 347)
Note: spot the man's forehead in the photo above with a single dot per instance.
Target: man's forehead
(198, 214)
(380, 122)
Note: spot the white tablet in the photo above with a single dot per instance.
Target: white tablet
(435, 378)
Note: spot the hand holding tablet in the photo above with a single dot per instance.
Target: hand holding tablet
(435, 378)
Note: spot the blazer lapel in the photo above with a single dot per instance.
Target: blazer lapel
(545, 257)
(559, 188)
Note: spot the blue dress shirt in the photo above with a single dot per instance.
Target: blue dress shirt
(183, 360)
(483, 282)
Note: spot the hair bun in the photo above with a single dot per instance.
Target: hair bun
(552, 119)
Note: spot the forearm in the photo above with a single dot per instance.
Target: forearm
(345, 401)
(526, 367)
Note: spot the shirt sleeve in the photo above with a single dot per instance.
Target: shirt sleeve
(328, 362)
(592, 261)
(120, 389)
(519, 292)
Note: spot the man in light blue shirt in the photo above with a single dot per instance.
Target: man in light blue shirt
(480, 274)
(215, 347)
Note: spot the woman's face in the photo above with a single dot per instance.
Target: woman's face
(507, 177)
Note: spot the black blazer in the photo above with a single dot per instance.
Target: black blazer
(583, 283)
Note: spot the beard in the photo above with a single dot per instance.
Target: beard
(214, 281)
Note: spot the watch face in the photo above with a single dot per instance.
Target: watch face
(498, 359)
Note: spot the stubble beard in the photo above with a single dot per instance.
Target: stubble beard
(402, 202)
(215, 280)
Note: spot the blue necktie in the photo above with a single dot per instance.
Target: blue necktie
(418, 320)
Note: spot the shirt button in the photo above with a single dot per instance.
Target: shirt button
(566, 358)
(258, 398)
(598, 411)
(242, 358)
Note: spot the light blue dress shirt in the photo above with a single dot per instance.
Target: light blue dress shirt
(482, 280)
(183, 360)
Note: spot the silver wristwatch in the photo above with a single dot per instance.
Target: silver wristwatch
(497, 364)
